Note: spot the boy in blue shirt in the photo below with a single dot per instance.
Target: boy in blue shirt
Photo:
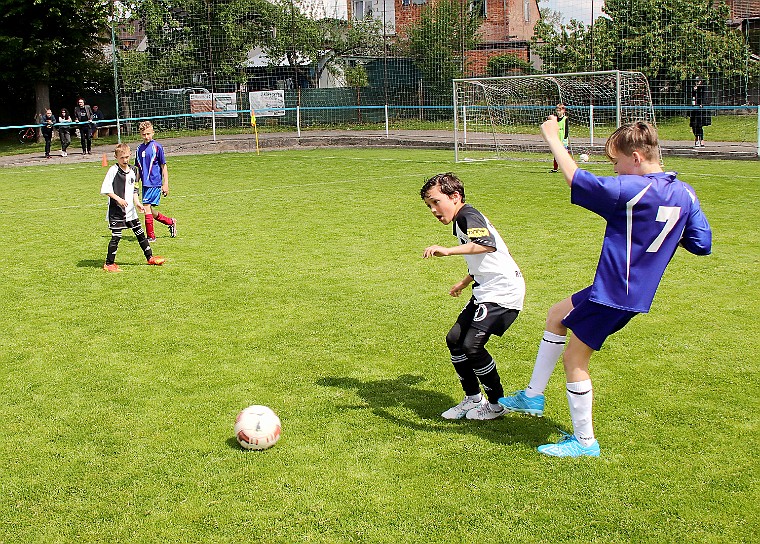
(649, 213)
(151, 163)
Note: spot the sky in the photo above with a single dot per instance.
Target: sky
(574, 9)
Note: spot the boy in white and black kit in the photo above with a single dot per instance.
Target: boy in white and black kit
(498, 291)
(123, 203)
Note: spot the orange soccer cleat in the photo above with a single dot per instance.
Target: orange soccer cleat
(113, 267)
(156, 261)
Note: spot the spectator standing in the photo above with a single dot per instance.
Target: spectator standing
(700, 117)
(47, 121)
(64, 130)
(97, 116)
(83, 116)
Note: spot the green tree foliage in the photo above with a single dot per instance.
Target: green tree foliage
(57, 43)
(438, 42)
(562, 47)
(677, 39)
(307, 39)
(191, 38)
(187, 38)
(668, 40)
(507, 65)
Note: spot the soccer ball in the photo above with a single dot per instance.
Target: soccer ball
(584, 157)
(257, 428)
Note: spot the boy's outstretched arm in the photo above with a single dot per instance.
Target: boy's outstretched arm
(550, 133)
(470, 248)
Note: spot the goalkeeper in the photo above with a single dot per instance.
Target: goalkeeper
(563, 131)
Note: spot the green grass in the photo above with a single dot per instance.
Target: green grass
(297, 282)
(724, 128)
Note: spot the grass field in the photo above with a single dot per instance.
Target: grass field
(297, 281)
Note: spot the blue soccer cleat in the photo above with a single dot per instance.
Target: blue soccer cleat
(569, 446)
(519, 402)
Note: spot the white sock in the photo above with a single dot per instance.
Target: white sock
(549, 351)
(580, 397)
(475, 398)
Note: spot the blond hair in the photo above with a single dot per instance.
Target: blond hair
(121, 147)
(145, 124)
(637, 136)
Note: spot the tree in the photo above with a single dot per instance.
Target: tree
(307, 37)
(356, 77)
(507, 65)
(53, 42)
(439, 41)
(562, 47)
(670, 41)
(196, 37)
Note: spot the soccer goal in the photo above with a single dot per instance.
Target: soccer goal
(499, 117)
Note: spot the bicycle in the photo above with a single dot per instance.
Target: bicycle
(27, 135)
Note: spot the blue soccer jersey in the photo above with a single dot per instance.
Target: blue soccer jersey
(647, 217)
(149, 159)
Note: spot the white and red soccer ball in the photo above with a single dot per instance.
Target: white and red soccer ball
(257, 428)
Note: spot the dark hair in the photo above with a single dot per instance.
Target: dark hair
(637, 136)
(448, 184)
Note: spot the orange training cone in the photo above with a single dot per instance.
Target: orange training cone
(104, 161)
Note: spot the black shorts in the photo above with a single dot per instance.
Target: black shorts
(488, 317)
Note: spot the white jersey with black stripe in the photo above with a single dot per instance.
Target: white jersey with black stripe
(122, 184)
(497, 277)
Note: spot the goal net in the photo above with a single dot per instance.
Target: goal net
(499, 117)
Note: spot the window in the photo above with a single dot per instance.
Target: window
(361, 9)
(478, 8)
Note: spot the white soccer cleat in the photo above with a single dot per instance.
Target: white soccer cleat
(460, 410)
(486, 411)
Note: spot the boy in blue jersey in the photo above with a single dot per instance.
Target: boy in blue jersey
(649, 213)
(151, 163)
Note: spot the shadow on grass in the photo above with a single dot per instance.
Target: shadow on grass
(90, 263)
(383, 396)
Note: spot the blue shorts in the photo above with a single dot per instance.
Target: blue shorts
(592, 322)
(151, 195)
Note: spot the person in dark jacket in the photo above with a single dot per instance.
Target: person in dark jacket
(83, 116)
(700, 117)
(65, 126)
(47, 121)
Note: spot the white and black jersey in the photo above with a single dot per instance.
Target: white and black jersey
(497, 276)
(122, 184)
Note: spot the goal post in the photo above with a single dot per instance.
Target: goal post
(499, 117)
